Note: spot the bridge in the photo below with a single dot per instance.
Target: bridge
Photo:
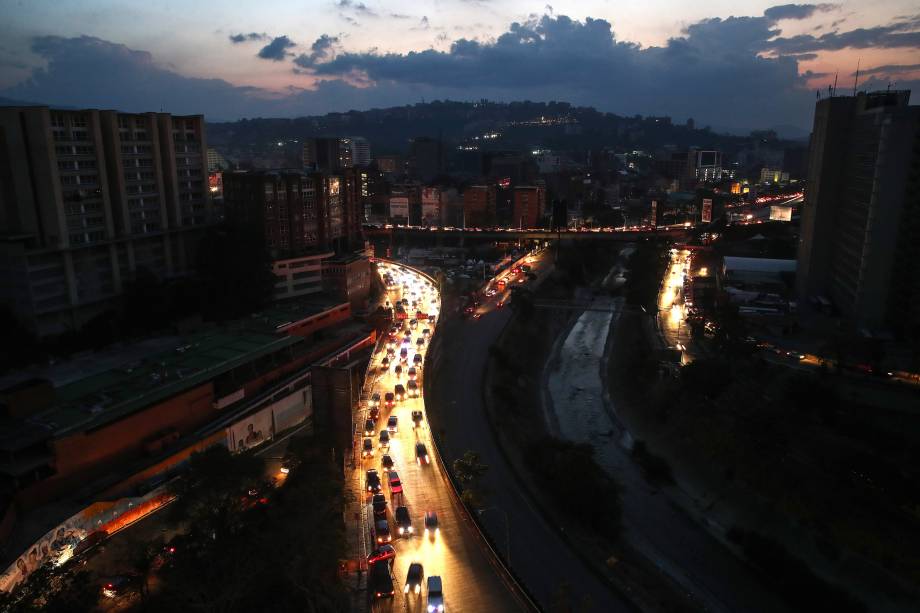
(613, 234)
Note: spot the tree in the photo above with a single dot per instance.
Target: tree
(468, 471)
(212, 494)
(522, 303)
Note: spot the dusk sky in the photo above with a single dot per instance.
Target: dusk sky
(734, 65)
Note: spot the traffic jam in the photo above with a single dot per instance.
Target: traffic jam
(406, 553)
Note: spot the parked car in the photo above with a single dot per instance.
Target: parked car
(379, 504)
(367, 450)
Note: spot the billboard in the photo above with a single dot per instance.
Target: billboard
(399, 206)
(251, 431)
(781, 213)
(654, 213)
(707, 211)
(431, 206)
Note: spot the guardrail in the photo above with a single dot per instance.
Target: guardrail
(509, 578)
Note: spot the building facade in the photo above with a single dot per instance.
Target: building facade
(528, 206)
(860, 233)
(479, 205)
(89, 197)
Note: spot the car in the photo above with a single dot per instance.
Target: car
(393, 424)
(379, 504)
(384, 364)
(372, 481)
(382, 531)
(380, 581)
(397, 370)
(431, 524)
(400, 391)
(500, 304)
(369, 427)
(382, 553)
(435, 595)
(413, 323)
(413, 373)
(421, 454)
(477, 315)
(374, 401)
(413, 389)
(384, 439)
(426, 332)
(404, 354)
(119, 585)
(431, 319)
(417, 419)
(367, 450)
(417, 360)
(395, 483)
(386, 461)
(374, 413)
(420, 341)
(414, 579)
(403, 521)
(389, 400)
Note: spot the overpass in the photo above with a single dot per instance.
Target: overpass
(613, 234)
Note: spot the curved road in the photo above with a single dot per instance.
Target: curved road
(539, 556)
(470, 579)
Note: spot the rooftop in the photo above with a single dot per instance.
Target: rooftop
(733, 263)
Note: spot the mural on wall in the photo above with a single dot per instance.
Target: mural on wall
(88, 527)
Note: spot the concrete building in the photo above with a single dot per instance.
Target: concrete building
(479, 205)
(860, 232)
(335, 154)
(427, 158)
(87, 198)
(707, 165)
(773, 175)
(529, 206)
(298, 212)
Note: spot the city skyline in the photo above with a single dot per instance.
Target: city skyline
(732, 68)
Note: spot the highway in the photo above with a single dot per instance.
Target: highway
(672, 311)
(539, 555)
(470, 579)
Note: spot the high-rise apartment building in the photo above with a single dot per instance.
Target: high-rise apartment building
(298, 212)
(528, 206)
(479, 205)
(334, 154)
(427, 158)
(89, 197)
(860, 233)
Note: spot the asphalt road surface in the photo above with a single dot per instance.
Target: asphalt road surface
(470, 579)
(539, 556)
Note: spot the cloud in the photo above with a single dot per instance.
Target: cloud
(797, 11)
(322, 49)
(737, 72)
(898, 34)
(277, 50)
(242, 38)
(889, 69)
(400, 16)
(358, 8)
(423, 24)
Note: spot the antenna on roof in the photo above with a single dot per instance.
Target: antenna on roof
(856, 81)
(835, 84)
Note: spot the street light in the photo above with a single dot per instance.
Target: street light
(507, 529)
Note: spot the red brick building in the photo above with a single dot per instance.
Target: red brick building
(528, 206)
(479, 205)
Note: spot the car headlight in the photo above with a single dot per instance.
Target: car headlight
(400, 530)
(440, 607)
(431, 608)
(410, 529)
(418, 588)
